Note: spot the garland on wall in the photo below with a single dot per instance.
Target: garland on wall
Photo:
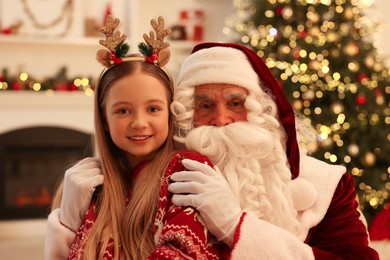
(59, 82)
(66, 13)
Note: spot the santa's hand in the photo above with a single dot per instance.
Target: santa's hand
(80, 183)
(206, 189)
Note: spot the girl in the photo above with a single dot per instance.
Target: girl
(132, 216)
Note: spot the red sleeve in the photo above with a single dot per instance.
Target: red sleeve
(380, 225)
(341, 234)
(180, 231)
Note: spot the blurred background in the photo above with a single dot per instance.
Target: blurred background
(330, 56)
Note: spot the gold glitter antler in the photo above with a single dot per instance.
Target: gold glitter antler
(114, 42)
(113, 38)
(157, 43)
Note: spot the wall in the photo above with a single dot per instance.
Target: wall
(379, 12)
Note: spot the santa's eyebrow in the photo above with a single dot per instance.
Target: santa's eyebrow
(235, 95)
(202, 96)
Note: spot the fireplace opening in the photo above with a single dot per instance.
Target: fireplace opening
(32, 161)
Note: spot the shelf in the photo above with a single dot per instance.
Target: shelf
(81, 41)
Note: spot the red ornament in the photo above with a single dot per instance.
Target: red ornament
(296, 54)
(362, 77)
(279, 10)
(16, 85)
(6, 31)
(303, 34)
(361, 100)
(118, 60)
(62, 86)
(377, 92)
(73, 87)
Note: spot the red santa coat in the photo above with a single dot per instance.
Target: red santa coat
(331, 228)
(179, 232)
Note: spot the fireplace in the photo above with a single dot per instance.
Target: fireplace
(32, 160)
(41, 136)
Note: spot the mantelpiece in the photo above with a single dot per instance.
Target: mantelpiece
(22, 109)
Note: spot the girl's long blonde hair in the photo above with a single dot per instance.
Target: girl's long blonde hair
(130, 225)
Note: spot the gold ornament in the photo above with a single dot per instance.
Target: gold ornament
(353, 149)
(368, 159)
(337, 108)
(369, 60)
(297, 104)
(351, 49)
(348, 13)
(287, 13)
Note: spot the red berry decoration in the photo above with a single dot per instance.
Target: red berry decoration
(154, 56)
(149, 59)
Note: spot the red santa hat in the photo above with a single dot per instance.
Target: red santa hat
(236, 64)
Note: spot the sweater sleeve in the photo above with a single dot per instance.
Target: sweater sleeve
(179, 231)
(340, 234)
(58, 238)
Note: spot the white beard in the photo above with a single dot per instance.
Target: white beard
(254, 164)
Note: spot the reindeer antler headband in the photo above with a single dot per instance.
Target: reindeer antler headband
(155, 50)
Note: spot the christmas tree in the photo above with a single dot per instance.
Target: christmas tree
(327, 63)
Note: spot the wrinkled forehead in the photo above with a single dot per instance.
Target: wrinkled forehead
(219, 89)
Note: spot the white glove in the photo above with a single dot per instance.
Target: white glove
(206, 189)
(79, 185)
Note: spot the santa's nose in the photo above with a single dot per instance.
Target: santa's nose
(222, 116)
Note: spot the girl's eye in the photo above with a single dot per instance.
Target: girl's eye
(123, 111)
(153, 109)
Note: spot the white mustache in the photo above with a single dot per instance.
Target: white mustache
(241, 139)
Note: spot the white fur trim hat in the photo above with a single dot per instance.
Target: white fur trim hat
(218, 65)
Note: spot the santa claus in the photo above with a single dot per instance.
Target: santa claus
(263, 198)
